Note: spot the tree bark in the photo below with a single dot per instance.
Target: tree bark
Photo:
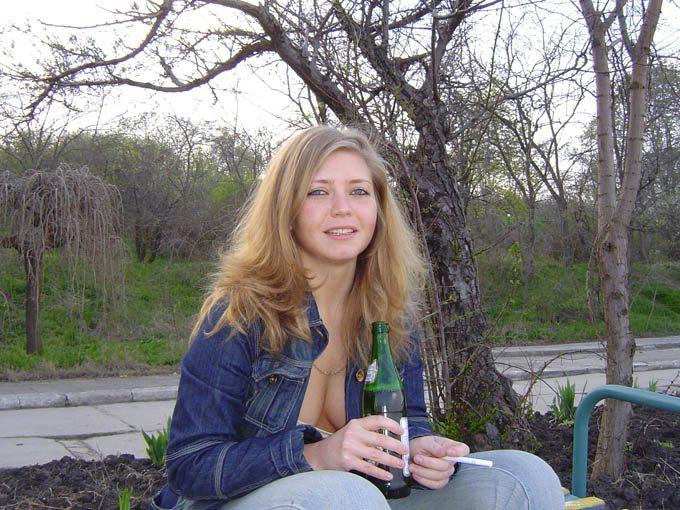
(140, 246)
(614, 215)
(565, 232)
(32, 266)
(530, 248)
(478, 398)
(612, 254)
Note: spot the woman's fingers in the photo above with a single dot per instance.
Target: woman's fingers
(363, 442)
(373, 470)
(386, 443)
(433, 463)
(382, 457)
(377, 422)
(432, 469)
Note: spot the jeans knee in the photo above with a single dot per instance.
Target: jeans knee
(344, 491)
(536, 485)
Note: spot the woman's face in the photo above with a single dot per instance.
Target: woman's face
(338, 217)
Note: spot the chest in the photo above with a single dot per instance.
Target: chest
(324, 402)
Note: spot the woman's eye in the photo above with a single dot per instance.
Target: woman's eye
(359, 191)
(317, 192)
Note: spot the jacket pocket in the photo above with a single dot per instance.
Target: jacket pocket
(277, 390)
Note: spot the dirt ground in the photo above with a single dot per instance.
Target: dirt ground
(651, 481)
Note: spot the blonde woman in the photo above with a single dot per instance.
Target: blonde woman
(268, 412)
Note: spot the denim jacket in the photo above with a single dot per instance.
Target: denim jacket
(234, 427)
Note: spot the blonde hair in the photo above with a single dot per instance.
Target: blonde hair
(260, 275)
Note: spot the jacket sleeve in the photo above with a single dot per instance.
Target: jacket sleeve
(416, 411)
(206, 458)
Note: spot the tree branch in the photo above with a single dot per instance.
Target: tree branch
(55, 81)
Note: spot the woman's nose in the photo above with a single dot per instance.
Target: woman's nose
(340, 205)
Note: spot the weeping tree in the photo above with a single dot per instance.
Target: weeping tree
(68, 209)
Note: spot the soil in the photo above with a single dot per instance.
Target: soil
(651, 480)
(652, 476)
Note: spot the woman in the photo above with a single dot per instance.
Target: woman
(268, 412)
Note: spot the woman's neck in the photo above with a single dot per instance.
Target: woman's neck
(332, 289)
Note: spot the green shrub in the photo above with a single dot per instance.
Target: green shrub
(156, 444)
(125, 499)
(563, 404)
(653, 383)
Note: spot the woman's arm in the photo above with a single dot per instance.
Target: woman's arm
(418, 419)
(206, 459)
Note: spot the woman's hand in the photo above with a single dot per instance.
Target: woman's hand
(353, 445)
(427, 466)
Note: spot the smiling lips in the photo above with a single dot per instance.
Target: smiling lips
(341, 232)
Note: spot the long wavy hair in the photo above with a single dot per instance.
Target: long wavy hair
(260, 274)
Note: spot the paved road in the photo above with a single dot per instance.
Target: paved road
(91, 418)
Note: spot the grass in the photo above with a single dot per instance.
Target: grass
(554, 307)
(147, 327)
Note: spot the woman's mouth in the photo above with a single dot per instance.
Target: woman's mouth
(341, 233)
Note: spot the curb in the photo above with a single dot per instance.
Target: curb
(550, 373)
(86, 398)
(642, 344)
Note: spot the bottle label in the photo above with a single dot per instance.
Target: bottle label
(372, 372)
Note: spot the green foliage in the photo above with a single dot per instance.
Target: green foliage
(563, 404)
(150, 326)
(156, 444)
(125, 499)
(554, 307)
(665, 444)
(653, 383)
(462, 424)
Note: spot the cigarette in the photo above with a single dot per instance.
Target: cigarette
(469, 460)
(403, 422)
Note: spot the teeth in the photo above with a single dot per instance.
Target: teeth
(340, 231)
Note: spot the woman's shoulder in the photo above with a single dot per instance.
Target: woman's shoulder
(215, 332)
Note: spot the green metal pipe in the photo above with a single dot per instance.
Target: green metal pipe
(646, 398)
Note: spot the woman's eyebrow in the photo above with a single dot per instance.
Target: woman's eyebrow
(330, 181)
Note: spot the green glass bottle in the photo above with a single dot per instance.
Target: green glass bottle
(383, 394)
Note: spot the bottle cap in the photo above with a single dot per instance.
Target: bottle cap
(380, 327)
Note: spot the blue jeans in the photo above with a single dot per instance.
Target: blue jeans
(517, 481)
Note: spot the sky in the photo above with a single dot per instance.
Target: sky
(247, 101)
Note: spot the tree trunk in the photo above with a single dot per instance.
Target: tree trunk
(565, 232)
(614, 215)
(613, 269)
(530, 248)
(479, 400)
(32, 263)
(140, 243)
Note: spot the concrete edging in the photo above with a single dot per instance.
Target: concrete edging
(86, 398)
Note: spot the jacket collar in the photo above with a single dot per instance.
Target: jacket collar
(313, 317)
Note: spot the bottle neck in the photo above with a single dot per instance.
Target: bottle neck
(381, 347)
(382, 364)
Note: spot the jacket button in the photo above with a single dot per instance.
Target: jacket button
(273, 379)
(360, 375)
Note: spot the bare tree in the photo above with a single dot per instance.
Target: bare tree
(518, 166)
(69, 209)
(615, 207)
(378, 64)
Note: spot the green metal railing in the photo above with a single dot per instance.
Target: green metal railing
(635, 395)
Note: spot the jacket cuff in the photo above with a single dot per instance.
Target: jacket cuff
(419, 426)
(287, 453)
